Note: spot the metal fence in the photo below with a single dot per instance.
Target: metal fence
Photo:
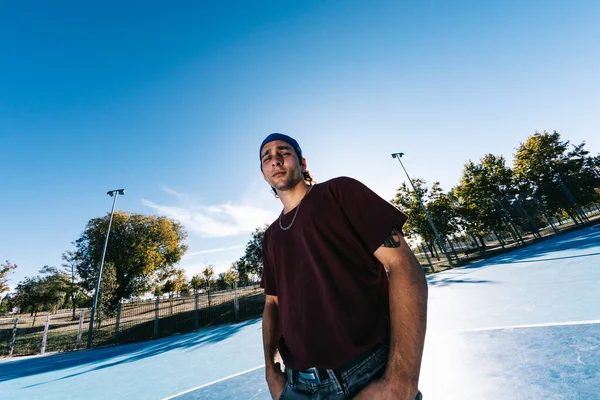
(465, 248)
(153, 318)
(135, 321)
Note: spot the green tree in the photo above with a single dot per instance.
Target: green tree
(243, 277)
(208, 275)
(5, 269)
(168, 287)
(221, 283)
(141, 251)
(42, 293)
(57, 284)
(197, 283)
(231, 276)
(543, 161)
(185, 289)
(439, 205)
(157, 289)
(174, 285)
(29, 295)
(69, 266)
(481, 193)
(179, 280)
(442, 209)
(175, 282)
(7, 304)
(251, 262)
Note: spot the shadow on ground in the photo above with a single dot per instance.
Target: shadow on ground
(450, 281)
(14, 369)
(578, 241)
(581, 240)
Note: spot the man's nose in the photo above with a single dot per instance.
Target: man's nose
(277, 160)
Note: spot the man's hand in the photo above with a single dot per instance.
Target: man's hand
(276, 380)
(382, 390)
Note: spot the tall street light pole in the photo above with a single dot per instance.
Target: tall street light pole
(112, 193)
(437, 236)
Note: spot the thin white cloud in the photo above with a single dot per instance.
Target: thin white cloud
(174, 193)
(197, 253)
(216, 221)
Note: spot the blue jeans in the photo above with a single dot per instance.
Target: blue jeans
(305, 385)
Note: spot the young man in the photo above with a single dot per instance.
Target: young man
(342, 327)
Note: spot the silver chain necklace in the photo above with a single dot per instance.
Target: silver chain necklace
(296, 213)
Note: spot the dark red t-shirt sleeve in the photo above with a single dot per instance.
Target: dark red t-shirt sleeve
(267, 281)
(371, 216)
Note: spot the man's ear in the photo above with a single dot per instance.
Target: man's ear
(303, 163)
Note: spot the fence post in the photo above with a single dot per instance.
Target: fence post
(208, 300)
(499, 238)
(80, 329)
(117, 322)
(475, 242)
(45, 336)
(156, 316)
(453, 251)
(236, 303)
(196, 322)
(14, 336)
(435, 252)
(427, 256)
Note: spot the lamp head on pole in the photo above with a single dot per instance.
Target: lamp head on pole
(111, 193)
(397, 155)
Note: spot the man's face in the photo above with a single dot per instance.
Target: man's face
(280, 165)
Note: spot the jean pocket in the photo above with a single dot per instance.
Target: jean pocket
(285, 388)
(363, 377)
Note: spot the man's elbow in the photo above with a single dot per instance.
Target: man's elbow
(271, 303)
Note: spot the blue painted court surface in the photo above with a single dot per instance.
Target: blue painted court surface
(523, 325)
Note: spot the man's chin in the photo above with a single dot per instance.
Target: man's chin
(282, 187)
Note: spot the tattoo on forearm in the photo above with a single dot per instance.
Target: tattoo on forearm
(393, 240)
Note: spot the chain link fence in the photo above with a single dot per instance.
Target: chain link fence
(465, 248)
(158, 317)
(133, 321)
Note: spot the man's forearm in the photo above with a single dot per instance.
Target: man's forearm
(408, 315)
(270, 328)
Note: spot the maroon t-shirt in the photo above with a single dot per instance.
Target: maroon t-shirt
(332, 290)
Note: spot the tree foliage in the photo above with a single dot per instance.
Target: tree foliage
(440, 207)
(231, 276)
(251, 264)
(481, 194)
(197, 283)
(544, 161)
(69, 266)
(5, 269)
(44, 292)
(220, 283)
(175, 283)
(141, 249)
(185, 289)
(208, 276)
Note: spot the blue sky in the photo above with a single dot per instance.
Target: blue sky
(170, 102)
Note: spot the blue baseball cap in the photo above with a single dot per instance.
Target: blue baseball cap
(285, 138)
